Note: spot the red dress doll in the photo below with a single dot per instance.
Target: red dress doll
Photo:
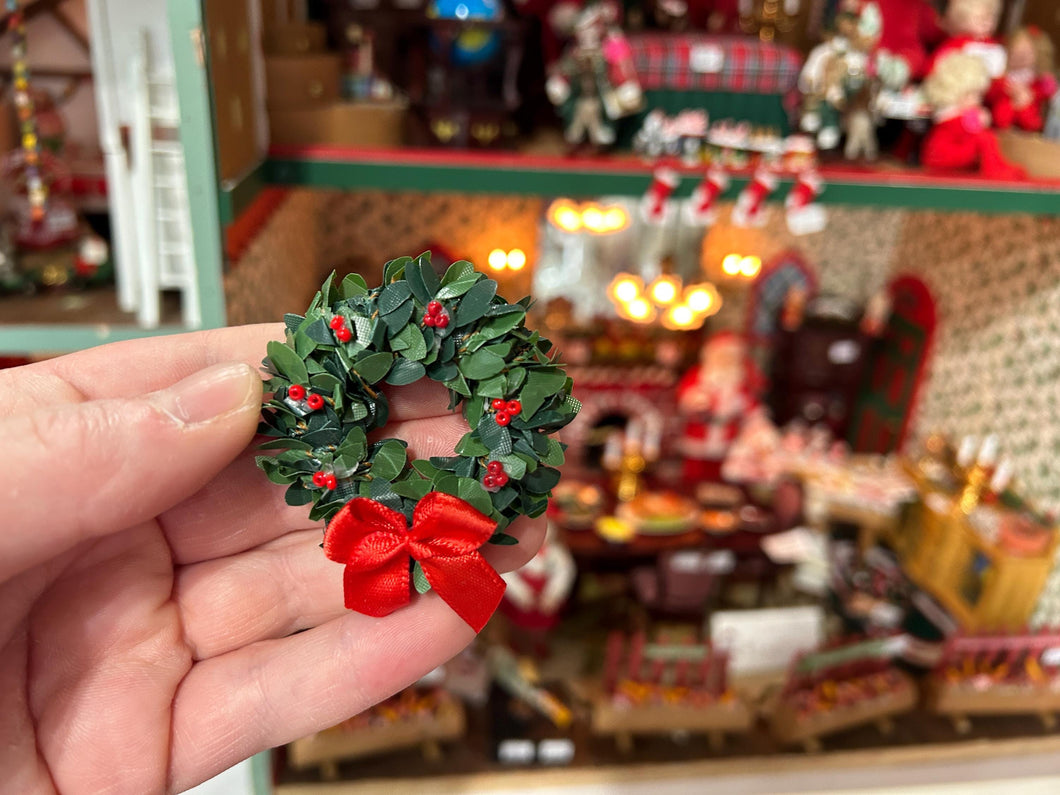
(961, 138)
(1020, 97)
(910, 29)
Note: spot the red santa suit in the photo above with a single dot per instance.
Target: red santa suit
(986, 48)
(536, 592)
(910, 28)
(1041, 88)
(960, 141)
(715, 400)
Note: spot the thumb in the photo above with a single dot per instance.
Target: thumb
(73, 472)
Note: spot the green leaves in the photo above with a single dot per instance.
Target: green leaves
(481, 365)
(287, 363)
(484, 353)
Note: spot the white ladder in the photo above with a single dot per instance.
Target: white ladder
(159, 184)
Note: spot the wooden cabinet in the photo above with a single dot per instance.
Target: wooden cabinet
(228, 43)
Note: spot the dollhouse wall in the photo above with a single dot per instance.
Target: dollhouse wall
(996, 281)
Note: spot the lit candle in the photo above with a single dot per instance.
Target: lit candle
(988, 452)
(966, 452)
(1002, 476)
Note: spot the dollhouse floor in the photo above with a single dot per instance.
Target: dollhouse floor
(98, 305)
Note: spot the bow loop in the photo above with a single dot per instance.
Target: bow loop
(446, 534)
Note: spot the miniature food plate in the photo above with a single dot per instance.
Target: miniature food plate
(660, 513)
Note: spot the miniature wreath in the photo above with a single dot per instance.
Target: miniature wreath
(397, 523)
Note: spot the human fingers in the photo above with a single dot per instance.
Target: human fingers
(74, 472)
(130, 368)
(235, 705)
(285, 586)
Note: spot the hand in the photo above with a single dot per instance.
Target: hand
(152, 580)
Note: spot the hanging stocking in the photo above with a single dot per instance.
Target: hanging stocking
(700, 210)
(750, 206)
(805, 216)
(654, 206)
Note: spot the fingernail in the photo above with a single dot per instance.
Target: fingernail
(209, 393)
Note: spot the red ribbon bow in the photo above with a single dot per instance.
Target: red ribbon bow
(375, 543)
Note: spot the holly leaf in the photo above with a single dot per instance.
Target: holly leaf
(458, 385)
(495, 436)
(493, 387)
(443, 371)
(374, 367)
(393, 269)
(393, 297)
(461, 269)
(514, 466)
(352, 286)
(425, 468)
(476, 301)
(505, 497)
(516, 379)
(419, 579)
(481, 365)
(541, 384)
(417, 282)
(288, 363)
(503, 539)
(405, 372)
(389, 460)
(287, 443)
(298, 495)
(410, 343)
(555, 456)
(399, 317)
(412, 488)
(542, 480)
(292, 321)
(499, 326)
(474, 494)
(467, 446)
(457, 288)
(303, 345)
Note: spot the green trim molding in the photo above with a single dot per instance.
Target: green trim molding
(448, 171)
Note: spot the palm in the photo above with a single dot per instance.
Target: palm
(148, 658)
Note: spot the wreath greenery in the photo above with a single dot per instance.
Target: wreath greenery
(327, 395)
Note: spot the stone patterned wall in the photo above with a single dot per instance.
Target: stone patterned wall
(996, 364)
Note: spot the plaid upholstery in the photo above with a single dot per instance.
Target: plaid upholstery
(750, 66)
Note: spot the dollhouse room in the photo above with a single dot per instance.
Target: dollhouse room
(799, 261)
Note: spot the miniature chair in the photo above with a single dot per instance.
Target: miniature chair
(682, 582)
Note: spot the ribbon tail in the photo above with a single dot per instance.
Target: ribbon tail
(377, 592)
(468, 584)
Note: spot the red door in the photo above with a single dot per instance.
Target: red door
(885, 404)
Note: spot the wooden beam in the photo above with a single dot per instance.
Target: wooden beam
(46, 71)
(67, 24)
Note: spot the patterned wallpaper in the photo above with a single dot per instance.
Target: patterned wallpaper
(996, 279)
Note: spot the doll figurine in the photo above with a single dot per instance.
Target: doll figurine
(961, 138)
(594, 83)
(972, 25)
(910, 29)
(716, 397)
(1020, 98)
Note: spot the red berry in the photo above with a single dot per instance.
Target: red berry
(502, 417)
(315, 401)
(494, 467)
(344, 334)
(296, 392)
(337, 322)
(319, 479)
(514, 407)
(428, 321)
(501, 479)
(441, 321)
(330, 482)
(498, 404)
(434, 307)
(489, 482)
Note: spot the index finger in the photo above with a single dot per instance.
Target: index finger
(135, 367)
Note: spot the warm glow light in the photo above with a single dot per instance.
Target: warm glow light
(497, 259)
(516, 259)
(616, 219)
(663, 290)
(682, 315)
(731, 264)
(750, 266)
(593, 219)
(625, 288)
(699, 299)
(639, 309)
(565, 215)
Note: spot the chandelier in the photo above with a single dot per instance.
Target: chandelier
(676, 306)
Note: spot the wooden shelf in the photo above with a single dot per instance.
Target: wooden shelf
(548, 175)
(57, 322)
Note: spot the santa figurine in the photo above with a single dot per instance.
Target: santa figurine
(961, 139)
(536, 593)
(1020, 98)
(715, 398)
(910, 29)
(972, 25)
(92, 253)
